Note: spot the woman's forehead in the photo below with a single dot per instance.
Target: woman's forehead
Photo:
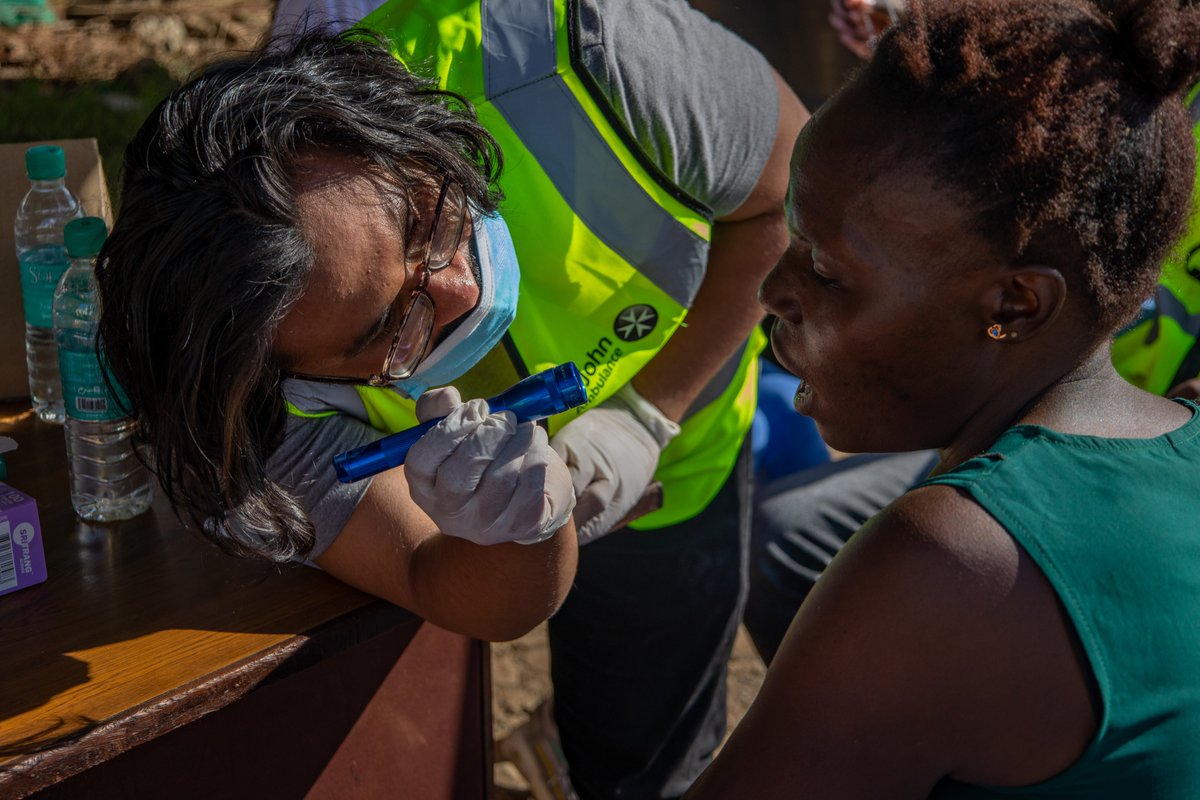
(860, 195)
(831, 154)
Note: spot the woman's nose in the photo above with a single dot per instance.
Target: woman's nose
(778, 293)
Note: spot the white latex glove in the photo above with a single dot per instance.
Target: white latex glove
(612, 451)
(482, 477)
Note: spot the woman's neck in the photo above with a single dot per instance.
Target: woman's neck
(1089, 398)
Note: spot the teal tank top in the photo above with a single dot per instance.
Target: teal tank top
(1114, 524)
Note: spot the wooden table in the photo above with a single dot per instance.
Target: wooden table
(151, 665)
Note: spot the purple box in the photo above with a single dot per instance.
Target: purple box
(22, 562)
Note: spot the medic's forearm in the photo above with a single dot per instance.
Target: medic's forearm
(391, 549)
(745, 245)
(497, 592)
(724, 313)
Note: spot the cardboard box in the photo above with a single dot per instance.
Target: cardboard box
(22, 560)
(85, 177)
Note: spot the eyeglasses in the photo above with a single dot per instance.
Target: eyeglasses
(433, 246)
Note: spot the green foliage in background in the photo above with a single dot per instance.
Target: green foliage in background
(108, 111)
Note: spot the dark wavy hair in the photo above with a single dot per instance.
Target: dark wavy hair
(1064, 122)
(207, 256)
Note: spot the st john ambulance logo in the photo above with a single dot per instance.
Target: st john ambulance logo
(635, 322)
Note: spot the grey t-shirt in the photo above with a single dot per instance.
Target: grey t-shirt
(700, 102)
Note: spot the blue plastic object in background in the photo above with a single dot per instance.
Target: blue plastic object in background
(783, 440)
(542, 395)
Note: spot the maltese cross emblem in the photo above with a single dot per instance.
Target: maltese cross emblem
(635, 322)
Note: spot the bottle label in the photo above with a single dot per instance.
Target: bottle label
(85, 394)
(41, 270)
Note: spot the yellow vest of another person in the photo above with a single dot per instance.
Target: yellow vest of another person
(1162, 348)
(611, 252)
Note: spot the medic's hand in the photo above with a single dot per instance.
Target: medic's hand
(612, 451)
(482, 477)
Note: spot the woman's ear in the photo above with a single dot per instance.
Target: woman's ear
(1024, 302)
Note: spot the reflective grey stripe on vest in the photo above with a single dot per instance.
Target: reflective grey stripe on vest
(521, 80)
(717, 385)
(1190, 366)
(1194, 108)
(518, 44)
(312, 397)
(1174, 308)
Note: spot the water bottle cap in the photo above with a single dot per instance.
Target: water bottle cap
(45, 162)
(84, 237)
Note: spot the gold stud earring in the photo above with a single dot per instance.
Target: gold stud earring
(996, 332)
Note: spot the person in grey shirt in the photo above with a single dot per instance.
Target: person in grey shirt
(274, 283)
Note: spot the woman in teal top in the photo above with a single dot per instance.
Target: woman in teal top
(972, 218)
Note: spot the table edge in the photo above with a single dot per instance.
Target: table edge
(25, 774)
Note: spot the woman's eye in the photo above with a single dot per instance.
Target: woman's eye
(822, 279)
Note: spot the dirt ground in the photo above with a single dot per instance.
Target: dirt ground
(521, 680)
(97, 41)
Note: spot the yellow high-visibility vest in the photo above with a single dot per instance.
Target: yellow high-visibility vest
(1162, 348)
(611, 252)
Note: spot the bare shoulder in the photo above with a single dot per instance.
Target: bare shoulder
(932, 647)
(1008, 643)
(945, 536)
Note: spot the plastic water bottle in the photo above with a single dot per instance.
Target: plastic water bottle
(107, 480)
(38, 231)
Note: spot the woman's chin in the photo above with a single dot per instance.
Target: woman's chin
(838, 434)
(838, 430)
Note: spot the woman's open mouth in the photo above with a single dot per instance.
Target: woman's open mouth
(803, 397)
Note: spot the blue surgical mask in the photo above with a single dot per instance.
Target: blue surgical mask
(484, 327)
